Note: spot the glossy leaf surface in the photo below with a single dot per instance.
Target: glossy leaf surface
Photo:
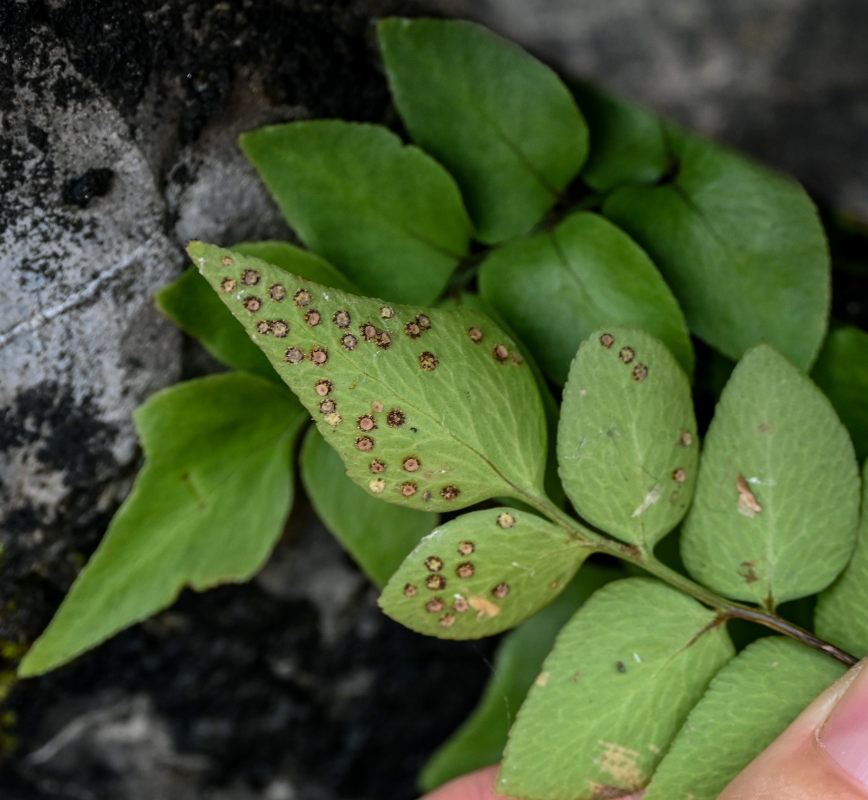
(777, 499)
(387, 215)
(558, 286)
(627, 443)
(482, 737)
(476, 102)
(842, 610)
(430, 409)
(741, 247)
(377, 535)
(841, 372)
(206, 509)
(628, 144)
(622, 677)
(748, 704)
(482, 573)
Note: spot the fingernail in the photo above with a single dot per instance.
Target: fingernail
(844, 735)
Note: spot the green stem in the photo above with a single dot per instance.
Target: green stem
(726, 609)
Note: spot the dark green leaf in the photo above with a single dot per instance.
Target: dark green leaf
(747, 706)
(430, 409)
(502, 123)
(386, 214)
(482, 573)
(627, 141)
(741, 247)
(206, 509)
(622, 677)
(842, 610)
(556, 287)
(841, 372)
(482, 737)
(196, 310)
(377, 535)
(627, 444)
(777, 498)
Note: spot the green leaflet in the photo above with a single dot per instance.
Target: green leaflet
(551, 409)
(842, 610)
(628, 144)
(206, 508)
(377, 535)
(430, 409)
(747, 706)
(196, 310)
(742, 248)
(482, 573)
(627, 444)
(841, 372)
(777, 498)
(500, 121)
(557, 286)
(482, 737)
(621, 679)
(386, 214)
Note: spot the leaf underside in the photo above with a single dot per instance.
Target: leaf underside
(482, 573)
(777, 498)
(842, 610)
(190, 302)
(377, 535)
(481, 739)
(430, 409)
(622, 677)
(748, 704)
(627, 442)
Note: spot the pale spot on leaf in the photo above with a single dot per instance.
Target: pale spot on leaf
(652, 497)
(747, 502)
(483, 606)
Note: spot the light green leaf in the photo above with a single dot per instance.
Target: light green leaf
(500, 121)
(627, 444)
(377, 535)
(627, 141)
(386, 214)
(777, 498)
(482, 737)
(742, 248)
(482, 573)
(190, 302)
(622, 676)
(551, 408)
(748, 705)
(192, 305)
(842, 610)
(430, 409)
(557, 286)
(206, 509)
(841, 372)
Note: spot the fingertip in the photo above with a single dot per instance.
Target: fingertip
(822, 754)
(478, 785)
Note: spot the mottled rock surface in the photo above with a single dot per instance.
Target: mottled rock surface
(118, 123)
